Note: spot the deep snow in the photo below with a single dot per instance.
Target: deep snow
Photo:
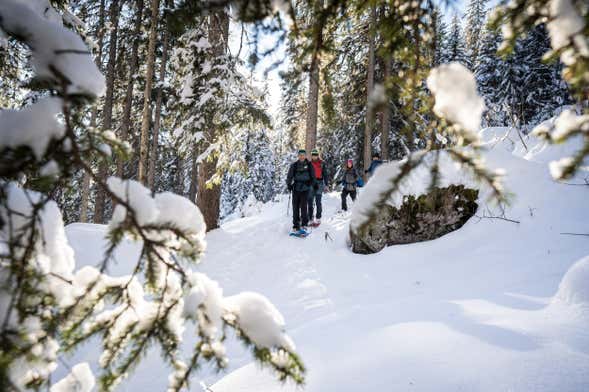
(475, 310)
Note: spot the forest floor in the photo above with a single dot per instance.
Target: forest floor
(477, 310)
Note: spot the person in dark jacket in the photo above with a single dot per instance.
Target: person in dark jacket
(349, 182)
(299, 181)
(321, 182)
(376, 162)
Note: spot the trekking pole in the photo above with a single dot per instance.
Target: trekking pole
(288, 205)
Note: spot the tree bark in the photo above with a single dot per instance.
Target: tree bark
(193, 177)
(98, 61)
(208, 197)
(108, 105)
(369, 88)
(146, 117)
(179, 181)
(386, 113)
(313, 97)
(133, 67)
(158, 107)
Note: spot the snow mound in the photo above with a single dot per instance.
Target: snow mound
(415, 183)
(574, 287)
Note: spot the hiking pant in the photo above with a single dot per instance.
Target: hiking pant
(315, 198)
(299, 209)
(345, 194)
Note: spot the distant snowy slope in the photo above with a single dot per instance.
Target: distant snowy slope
(484, 308)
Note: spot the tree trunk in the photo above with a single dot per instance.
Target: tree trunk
(193, 178)
(369, 88)
(208, 196)
(179, 181)
(146, 117)
(98, 61)
(313, 97)
(108, 105)
(157, 119)
(133, 67)
(386, 113)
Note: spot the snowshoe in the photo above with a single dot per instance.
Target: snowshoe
(315, 223)
(301, 233)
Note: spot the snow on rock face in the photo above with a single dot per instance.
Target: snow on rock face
(455, 91)
(416, 183)
(55, 48)
(260, 320)
(80, 379)
(574, 287)
(566, 22)
(34, 126)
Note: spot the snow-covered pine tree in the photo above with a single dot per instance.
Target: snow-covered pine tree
(473, 32)
(455, 44)
(441, 33)
(568, 27)
(489, 77)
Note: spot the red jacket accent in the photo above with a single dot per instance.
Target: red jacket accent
(317, 166)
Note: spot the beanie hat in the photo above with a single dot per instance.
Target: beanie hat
(302, 151)
(314, 152)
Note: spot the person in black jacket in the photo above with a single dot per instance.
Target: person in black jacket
(299, 181)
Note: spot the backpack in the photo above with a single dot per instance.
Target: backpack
(350, 179)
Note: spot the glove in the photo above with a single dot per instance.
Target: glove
(289, 187)
(315, 186)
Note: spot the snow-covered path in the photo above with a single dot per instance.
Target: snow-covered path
(474, 310)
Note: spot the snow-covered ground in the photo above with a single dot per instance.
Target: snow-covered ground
(477, 310)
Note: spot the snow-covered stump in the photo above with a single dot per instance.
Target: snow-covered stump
(419, 218)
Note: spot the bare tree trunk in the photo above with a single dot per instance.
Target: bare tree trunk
(98, 61)
(208, 196)
(179, 181)
(193, 178)
(158, 108)
(313, 97)
(146, 117)
(386, 113)
(108, 105)
(369, 88)
(133, 67)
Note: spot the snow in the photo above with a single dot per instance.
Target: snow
(492, 306)
(574, 287)
(455, 92)
(57, 51)
(34, 126)
(260, 320)
(80, 379)
(565, 22)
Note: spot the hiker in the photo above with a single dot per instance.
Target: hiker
(299, 181)
(319, 185)
(350, 180)
(376, 162)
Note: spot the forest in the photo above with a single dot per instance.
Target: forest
(135, 135)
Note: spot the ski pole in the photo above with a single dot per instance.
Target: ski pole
(288, 205)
